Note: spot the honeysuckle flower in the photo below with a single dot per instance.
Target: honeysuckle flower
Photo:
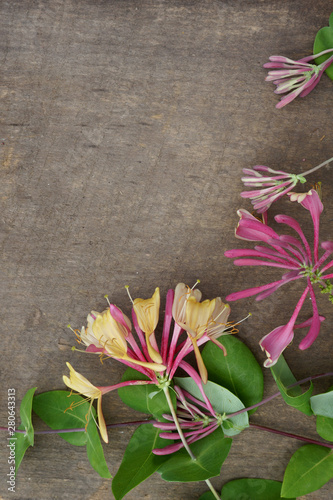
(204, 321)
(182, 294)
(270, 185)
(198, 315)
(289, 253)
(295, 77)
(147, 313)
(108, 333)
(80, 384)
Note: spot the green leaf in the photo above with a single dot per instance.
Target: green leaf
(20, 442)
(52, 408)
(210, 454)
(294, 396)
(139, 462)
(324, 41)
(252, 489)
(144, 398)
(95, 451)
(308, 470)
(322, 404)
(207, 496)
(325, 427)
(222, 400)
(239, 371)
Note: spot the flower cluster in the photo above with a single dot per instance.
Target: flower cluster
(295, 78)
(109, 334)
(292, 254)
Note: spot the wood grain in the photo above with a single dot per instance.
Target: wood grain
(125, 128)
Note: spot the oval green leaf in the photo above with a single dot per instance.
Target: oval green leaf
(324, 41)
(207, 496)
(210, 454)
(252, 489)
(292, 396)
(95, 451)
(222, 400)
(52, 408)
(324, 427)
(238, 371)
(308, 470)
(322, 404)
(139, 461)
(20, 441)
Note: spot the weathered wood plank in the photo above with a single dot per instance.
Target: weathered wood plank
(126, 125)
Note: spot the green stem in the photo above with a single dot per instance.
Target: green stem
(212, 489)
(317, 167)
(175, 419)
(182, 437)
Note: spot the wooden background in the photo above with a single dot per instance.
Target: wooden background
(125, 128)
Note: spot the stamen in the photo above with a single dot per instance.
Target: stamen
(246, 317)
(107, 299)
(195, 284)
(128, 293)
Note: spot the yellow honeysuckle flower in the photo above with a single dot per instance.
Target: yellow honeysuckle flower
(208, 317)
(80, 384)
(106, 333)
(182, 294)
(219, 323)
(198, 315)
(147, 313)
(110, 334)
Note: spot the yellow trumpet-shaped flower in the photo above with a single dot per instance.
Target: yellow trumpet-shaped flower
(110, 334)
(182, 294)
(198, 318)
(80, 384)
(147, 313)
(219, 323)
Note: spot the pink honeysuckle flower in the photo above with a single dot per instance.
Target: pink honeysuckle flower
(291, 254)
(269, 185)
(295, 77)
(273, 185)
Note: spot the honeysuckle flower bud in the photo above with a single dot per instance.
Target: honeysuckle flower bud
(147, 313)
(295, 77)
(272, 184)
(80, 384)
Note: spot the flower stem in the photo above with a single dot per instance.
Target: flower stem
(175, 419)
(288, 434)
(212, 489)
(317, 168)
(182, 437)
